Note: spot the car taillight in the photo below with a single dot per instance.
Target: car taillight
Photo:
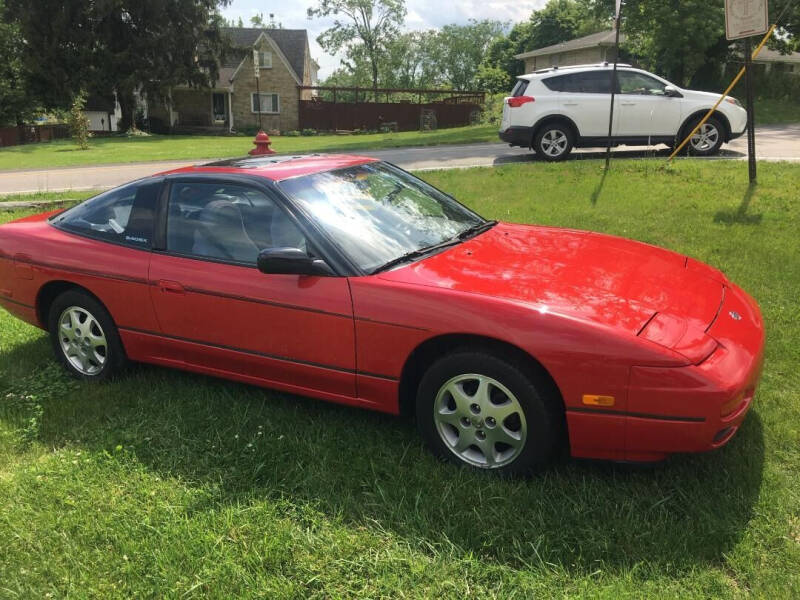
(517, 101)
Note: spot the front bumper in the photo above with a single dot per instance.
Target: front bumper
(517, 136)
(692, 408)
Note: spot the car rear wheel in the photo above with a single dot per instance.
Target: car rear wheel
(708, 139)
(488, 412)
(553, 141)
(84, 337)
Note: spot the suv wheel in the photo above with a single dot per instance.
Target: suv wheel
(708, 139)
(553, 141)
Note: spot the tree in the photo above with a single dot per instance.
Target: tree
(102, 45)
(462, 48)
(78, 122)
(15, 103)
(362, 28)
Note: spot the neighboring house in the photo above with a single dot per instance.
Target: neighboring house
(591, 49)
(285, 63)
(785, 63)
(103, 113)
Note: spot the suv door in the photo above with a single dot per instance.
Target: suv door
(219, 313)
(644, 108)
(585, 98)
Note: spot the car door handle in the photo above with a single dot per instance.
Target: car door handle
(171, 287)
(628, 103)
(571, 103)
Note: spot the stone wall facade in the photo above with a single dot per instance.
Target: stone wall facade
(584, 56)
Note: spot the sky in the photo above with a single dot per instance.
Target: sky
(422, 14)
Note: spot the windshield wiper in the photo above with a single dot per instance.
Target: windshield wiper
(476, 229)
(415, 254)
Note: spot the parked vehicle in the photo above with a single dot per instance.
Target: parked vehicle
(554, 110)
(350, 280)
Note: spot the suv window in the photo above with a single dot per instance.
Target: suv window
(638, 83)
(227, 222)
(123, 215)
(520, 87)
(589, 82)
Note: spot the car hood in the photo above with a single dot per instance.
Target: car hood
(701, 96)
(606, 280)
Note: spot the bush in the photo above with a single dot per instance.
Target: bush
(493, 109)
(308, 132)
(292, 133)
(78, 122)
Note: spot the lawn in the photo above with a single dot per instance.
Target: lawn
(104, 150)
(169, 484)
(773, 112)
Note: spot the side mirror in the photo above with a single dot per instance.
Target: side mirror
(291, 261)
(672, 92)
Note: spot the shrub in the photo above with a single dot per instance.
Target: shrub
(78, 122)
(291, 133)
(308, 132)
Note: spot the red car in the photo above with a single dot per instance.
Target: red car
(350, 280)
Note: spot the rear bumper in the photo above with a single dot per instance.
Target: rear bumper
(688, 409)
(517, 136)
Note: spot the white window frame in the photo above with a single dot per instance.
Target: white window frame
(265, 112)
(262, 54)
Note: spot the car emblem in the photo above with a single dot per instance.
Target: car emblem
(735, 315)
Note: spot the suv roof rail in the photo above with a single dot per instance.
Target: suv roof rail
(588, 66)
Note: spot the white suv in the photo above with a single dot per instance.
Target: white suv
(553, 110)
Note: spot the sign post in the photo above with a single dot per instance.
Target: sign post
(743, 19)
(257, 68)
(613, 83)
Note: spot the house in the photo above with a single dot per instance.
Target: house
(774, 60)
(590, 49)
(102, 112)
(284, 64)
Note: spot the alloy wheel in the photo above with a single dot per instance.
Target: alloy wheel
(82, 340)
(480, 420)
(706, 138)
(554, 142)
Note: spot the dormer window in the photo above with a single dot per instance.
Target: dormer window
(264, 59)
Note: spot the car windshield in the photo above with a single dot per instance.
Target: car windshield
(379, 214)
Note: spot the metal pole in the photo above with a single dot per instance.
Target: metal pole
(258, 95)
(613, 91)
(751, 126)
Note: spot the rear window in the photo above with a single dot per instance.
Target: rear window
(520, 87)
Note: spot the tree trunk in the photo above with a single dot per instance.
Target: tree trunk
(127, 104)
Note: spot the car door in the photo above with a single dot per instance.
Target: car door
(644, 108)
(586, 99)
(218, 313)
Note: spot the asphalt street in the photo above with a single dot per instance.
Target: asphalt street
(774, 143)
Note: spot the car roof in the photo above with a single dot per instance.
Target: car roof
(276, 167)
(576, 69)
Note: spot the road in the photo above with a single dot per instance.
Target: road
(772, 143)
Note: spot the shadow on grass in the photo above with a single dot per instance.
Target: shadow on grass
(740, 215)
(244, 445)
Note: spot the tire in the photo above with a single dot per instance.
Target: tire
(708, 140)
(553, 141)
(84, 338)
(501, 418)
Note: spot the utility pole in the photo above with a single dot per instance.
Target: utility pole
(751, 125)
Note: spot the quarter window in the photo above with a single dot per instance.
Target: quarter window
(227, 222)
(123, 215)
(520, 87)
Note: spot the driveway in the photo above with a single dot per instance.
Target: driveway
(772, 143)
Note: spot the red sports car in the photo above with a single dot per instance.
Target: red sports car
(350, 280)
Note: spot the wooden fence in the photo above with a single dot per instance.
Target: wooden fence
(28, 134)
(341, 108)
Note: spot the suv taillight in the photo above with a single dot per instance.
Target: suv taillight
(516, 101)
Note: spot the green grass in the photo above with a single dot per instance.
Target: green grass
(169, 484)
(774, 112)
(105, 150)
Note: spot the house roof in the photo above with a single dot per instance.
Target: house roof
(604, 38)
(292, 42)
(773, 56)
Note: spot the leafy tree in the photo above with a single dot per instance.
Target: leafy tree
(15, 104)
(78, 122)
(101, 45)
(362, 28)
(462, 48)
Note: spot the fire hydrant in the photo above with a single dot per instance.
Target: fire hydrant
(262, 143)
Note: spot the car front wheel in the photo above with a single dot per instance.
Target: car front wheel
(707, 140)
(488, 412)
(84, 337)
(553, 142)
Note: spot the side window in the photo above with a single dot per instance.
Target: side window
(590, 82)
(227, 222)
(124, 215)
(555, 84)
(638, 83)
